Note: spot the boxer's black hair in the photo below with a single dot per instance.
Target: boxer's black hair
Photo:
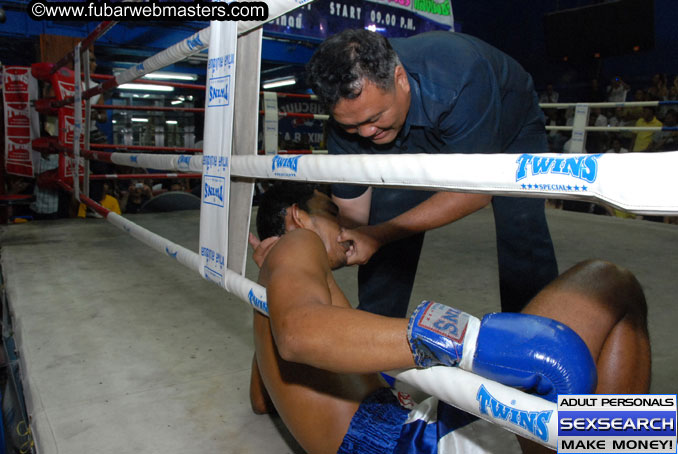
(274, 203)
(337, 69)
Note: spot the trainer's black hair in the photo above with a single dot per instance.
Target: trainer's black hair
(337, 69)
(274, 203)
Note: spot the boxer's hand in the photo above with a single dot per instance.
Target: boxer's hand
(363, 244)
(525, 351)
(261, 248)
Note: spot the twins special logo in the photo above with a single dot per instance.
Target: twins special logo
(214, 188)
(184, 162)
(256, 302)
(280, 162)
(534, 422)
(218, 94)
(582, 167)
(170, 253)
(194, 43)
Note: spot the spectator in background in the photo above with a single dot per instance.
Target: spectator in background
(596, 94)
(549, 95)
(615, 117)
(556, 139)
(658, 90)
(136, 195)
(617, 146)
(666, 140)
(105, 196)
(596, 140)
(48, 197)
(673, 89)
(644, 138)
(617, 90)
(179, 184)
(633, 113)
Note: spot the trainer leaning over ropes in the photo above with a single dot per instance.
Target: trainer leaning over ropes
(437, 92)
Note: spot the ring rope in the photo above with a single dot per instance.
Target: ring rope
(652, 190)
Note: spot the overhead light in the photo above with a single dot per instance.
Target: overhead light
(171, 122)
(114, 121)
(140, 120)
(176, 101)
(280, 82)
(145, 87)
(165, 75)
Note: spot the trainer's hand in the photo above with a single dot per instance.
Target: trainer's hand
(261, 248)
(364, 244)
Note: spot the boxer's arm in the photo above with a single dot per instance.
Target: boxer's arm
(309, 329)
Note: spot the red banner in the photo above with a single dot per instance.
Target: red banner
(16, 90)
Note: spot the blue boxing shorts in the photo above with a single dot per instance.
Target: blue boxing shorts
(388, 422)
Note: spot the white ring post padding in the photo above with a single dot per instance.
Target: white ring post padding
(524, 414)
(642, 183)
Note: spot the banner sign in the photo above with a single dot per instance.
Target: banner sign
(392, 18)
(611, 423)
(301, 133)
(21, 126)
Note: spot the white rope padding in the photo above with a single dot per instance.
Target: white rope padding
(200, 41)
(521, 413)
(243, 288)
(564, 105)
(641, 183)
(608, 128)
(182, 163)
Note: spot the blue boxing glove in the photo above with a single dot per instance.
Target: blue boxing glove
(520, 350)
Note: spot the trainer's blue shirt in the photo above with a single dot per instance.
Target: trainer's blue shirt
(466, 97)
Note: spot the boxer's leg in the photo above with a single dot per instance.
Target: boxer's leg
(606, 306)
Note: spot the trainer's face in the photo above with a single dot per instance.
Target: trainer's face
(325, 218)
(376, 114)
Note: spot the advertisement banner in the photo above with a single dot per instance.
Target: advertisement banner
(392, 18)
(21, 125)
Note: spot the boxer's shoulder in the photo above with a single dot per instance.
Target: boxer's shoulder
(297, 248)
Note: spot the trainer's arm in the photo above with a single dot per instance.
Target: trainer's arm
(440, 209)
(354, 212)
(308, 329)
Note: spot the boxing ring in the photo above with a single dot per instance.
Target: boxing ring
(648, 187)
